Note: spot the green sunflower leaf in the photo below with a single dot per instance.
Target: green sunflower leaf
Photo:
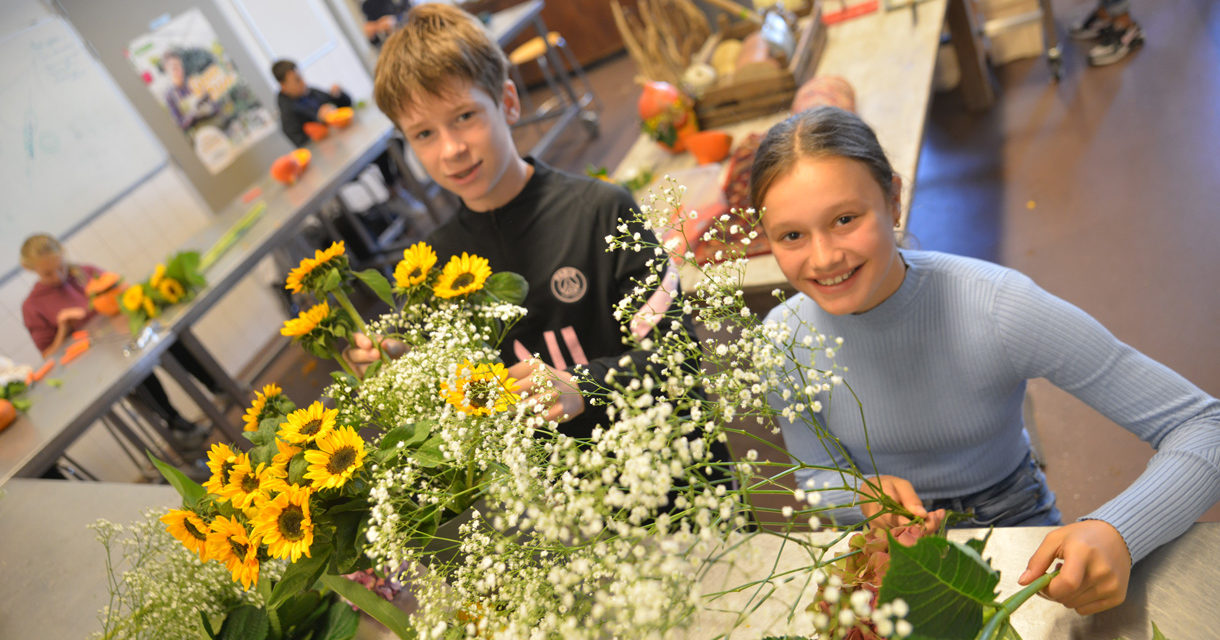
(386, 613)
(378, 284)
(300, 575)
(246, 622)
(190, 490)
(341, 622)
(507, 286)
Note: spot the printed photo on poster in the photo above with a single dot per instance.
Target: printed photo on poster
(184, 66)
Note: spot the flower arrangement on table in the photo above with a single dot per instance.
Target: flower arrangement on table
(172, 282)
(431, 470)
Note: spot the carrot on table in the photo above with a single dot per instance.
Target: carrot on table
(74, 350)
(42, 371)
(80, 335)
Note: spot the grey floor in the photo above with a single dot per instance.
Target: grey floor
(1103, 188)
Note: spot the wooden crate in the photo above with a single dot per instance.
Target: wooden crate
(757, 90)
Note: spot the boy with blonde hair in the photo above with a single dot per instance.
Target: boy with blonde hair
(443, 81)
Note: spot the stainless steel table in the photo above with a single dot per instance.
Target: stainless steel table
(108, 371)
(1171, 587)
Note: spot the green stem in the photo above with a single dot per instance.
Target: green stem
(991, 631)
(347, 305)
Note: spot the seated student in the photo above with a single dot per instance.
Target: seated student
(444, 82)
(58, 305)
(300, 103)
(381, 18)
(938, 349)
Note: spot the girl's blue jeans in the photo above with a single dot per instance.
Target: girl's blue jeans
(1023, 499)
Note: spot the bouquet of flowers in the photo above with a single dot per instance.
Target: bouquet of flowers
(431, 469)
(172, 282)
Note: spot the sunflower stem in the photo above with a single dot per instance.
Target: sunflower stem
(346, 303)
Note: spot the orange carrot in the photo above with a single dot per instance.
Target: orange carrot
(80, 335)
(42, 371)
(74, 350)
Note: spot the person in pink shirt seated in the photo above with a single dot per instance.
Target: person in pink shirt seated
(58, 306)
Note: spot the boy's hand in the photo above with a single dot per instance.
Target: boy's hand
(361, 353)
(336, 90)
(325, 110)
(562, 400)
(901, 491)
(1095, 571)
(71, 314)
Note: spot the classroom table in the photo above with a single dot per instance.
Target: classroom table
(888, 57)
(113, 366)
(55, 575)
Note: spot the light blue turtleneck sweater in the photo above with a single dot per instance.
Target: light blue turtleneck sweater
(940, 368)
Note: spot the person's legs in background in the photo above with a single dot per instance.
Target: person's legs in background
(1110, 24)
(185, 436)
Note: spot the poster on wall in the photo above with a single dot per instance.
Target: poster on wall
(184, 66)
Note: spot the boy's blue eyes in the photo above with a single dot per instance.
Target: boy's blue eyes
(461, 117)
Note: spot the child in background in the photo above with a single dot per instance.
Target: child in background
(938, 349)
(300, 103)
(58, 306)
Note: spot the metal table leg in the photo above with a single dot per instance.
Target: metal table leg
(237, 393)
(213, 412)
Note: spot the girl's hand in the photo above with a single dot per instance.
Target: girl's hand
(904, 494)
(1096, 566)
(562, 400)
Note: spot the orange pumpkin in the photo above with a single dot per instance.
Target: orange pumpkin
(286, 169)
(667, 115)
(340, 117)
(316, 130)
(709, 146)
(7, 414)
(104, 291)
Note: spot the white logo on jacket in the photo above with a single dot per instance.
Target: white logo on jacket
(569, 284)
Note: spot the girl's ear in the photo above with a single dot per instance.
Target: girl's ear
(896, 199)
(510, 102)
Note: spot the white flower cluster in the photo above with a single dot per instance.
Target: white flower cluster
(165, 587)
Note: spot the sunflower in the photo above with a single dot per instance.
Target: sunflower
(298, 277)
(339, 455)
(150, 308)
(220, 461)
(246, 486)
(254, 415)
(171, 290)
(189, 529)
(284, 524)
(413, 269)
(285, 452)
(463, 275)
(155, 280)
(133, 297)
(229, 542)
(306, 321)
(480, 389)
(308, 424)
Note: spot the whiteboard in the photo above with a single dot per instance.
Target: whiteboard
(72, 144)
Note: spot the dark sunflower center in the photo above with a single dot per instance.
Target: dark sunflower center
(238, 548)
(290, 521)
(310, 428)
(226, 470)
(341, 459)
(478, 393)
(463, 280)
(194, 531)
(249, 483)
(415, 273)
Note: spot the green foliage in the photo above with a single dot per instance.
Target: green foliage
(507, 286)
(246, 622)
(945, 584)
(378, 284)
(300, 576)
(382, 611)
(190, 490)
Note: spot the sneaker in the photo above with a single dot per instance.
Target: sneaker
(1114, 44)
(1091, 25)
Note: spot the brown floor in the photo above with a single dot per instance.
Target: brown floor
(1102, 188)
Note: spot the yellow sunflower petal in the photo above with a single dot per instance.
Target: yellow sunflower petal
(284, 524)
(338, 457)
(133, 297)
(231, 543)
(306, 321)
(417, 260)
(189, 529)
(480, 389)
(308, 424)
